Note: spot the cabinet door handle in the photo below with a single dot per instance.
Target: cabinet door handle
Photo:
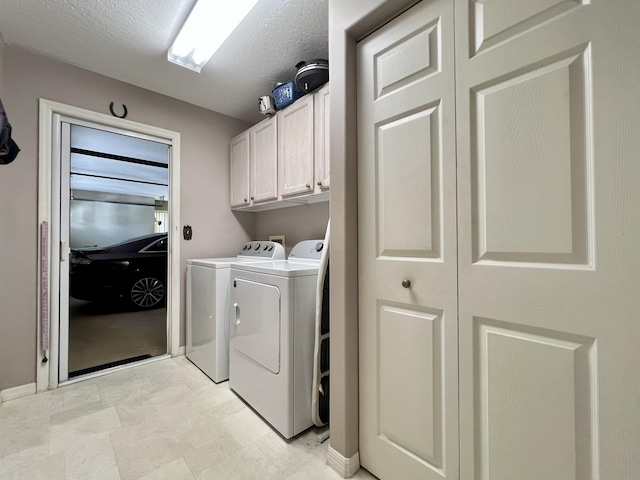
(235, 310)
(245, 200)
(406, 283)
(252, 198)
(319, 184)
(308, 185)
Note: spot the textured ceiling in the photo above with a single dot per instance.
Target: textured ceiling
(128, 40)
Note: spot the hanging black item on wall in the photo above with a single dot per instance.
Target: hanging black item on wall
(8, 148)
(312, 74)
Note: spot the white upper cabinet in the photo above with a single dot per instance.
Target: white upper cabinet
(283, 160)
(239, 171)
(295, 147)
(264, 161)
(321, 139)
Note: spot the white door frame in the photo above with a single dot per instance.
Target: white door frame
(47, 371)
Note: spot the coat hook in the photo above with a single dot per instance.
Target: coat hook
(114, 113)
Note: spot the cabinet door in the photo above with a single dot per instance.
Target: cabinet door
(295, 147)
(239, 171)
(264, 161)
(322, 139)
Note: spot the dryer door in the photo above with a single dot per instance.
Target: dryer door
(255, 322)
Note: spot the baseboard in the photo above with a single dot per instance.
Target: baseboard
(347, 467)
(17, 392)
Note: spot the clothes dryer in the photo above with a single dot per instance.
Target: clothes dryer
(272, 333)
(208, 306)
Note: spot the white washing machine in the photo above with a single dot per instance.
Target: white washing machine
(272, 336)
(208, 306)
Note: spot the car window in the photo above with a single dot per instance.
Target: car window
(157, 246)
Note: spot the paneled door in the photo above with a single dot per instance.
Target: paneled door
(263, 140)
(548, 123)
(239, 156)
(295, 147)
(407, 247)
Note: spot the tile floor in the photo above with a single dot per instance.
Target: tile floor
(160, 421)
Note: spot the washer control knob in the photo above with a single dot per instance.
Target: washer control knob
(319, 246)
(265, 247)
(270, 247)
(257, 246)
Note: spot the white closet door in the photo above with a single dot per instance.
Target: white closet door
(548, 196)
(407, 247)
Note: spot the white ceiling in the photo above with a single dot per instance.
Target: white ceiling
(128, 40)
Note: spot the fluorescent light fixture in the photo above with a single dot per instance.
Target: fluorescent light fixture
(206, 28)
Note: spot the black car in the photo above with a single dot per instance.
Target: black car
(134, 271)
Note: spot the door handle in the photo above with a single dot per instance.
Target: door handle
(236, 309)
(64, 251)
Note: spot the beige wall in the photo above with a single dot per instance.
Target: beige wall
(305, 222)
(1, 63)
(348, 22)
(204, 185)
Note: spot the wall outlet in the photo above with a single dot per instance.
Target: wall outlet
(278, 239)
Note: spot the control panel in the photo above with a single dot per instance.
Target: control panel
(307, 249)
(262, 249)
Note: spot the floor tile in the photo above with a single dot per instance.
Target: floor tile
(176, 470)
(133, 389)
(248, 463)
(288, 456)
(73, 413)
(91, 459)
(136, 412)
(163, 420)
(80, 431)
(246, 426)
(21, 465)
(73, 396)
(315, 470)
(141, 449)
(219, 444)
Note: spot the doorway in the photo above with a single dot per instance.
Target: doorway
(113, 187)
(90, 205)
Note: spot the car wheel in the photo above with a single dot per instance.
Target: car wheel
(147, 292)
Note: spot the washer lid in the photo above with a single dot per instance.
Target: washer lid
(224, 262)
(283, 268)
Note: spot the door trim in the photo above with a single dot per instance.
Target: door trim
(47, 371)
(351, 22)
